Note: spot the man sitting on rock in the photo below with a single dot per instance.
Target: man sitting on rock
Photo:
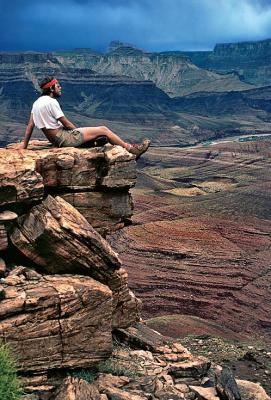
(47, 115)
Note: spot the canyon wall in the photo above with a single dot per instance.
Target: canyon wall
(250, 60)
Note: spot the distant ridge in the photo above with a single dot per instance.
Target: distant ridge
(251, 60)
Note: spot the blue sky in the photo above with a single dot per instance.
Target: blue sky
(153, 25)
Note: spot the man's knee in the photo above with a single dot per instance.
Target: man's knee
(104, 130)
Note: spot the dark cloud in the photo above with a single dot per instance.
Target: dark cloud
(153, 25)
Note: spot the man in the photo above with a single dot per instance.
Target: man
(47, 115)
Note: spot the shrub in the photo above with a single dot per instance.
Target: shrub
(10, 387)
(88, 375)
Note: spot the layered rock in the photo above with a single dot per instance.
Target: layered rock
(54, 322)
(127, 89)
(63, 315)
(88, 94)
(82, 176)
(250, 60)
(146, 374)
(200, 242)
(174, 73)
(58, 239)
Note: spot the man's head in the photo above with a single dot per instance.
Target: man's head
(50, 87)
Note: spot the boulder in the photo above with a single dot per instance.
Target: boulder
(58, 239)
(141, 336)
(205, 393)
(226, 385)
(115, 388)
(251, 390)
(77, 389)
(196, 367)
(53, 322)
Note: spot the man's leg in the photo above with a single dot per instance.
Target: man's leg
(91, 133)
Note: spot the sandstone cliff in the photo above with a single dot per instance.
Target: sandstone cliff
(64, 320)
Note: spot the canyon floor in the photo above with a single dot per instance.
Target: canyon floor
(200, 240)
(198, 251)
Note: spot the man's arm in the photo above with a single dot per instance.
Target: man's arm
(66, 123)
(28, 131)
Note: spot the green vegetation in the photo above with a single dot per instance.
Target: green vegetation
(89, 375)
(10, 386)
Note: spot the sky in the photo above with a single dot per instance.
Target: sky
(152, 25)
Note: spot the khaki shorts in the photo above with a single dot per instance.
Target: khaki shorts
(68, 138)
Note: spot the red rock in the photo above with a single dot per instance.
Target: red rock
(109, 171)
(252, 390)
(57, 238)
(56, 321)
(19, 180)
(77, 389)
(208, 255)
(105, 211)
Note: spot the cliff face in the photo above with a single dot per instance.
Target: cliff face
(85, 91)
(173, 73)
(64, 317)
(251, 60)
(18, 58)
(63, 289)
(250, 102)
(247, 49)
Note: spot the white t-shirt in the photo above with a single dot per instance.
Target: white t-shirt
(46, 112)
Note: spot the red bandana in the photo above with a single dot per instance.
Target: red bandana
(49, 84)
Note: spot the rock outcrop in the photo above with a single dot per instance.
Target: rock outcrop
(59, 305)
(81, 176)
(64, 291)
(53, 322)
(140, 374)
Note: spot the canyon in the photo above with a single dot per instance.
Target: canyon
(193, 235)
(201, 235)
(66, 310)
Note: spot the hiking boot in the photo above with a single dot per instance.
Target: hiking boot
(139, 149)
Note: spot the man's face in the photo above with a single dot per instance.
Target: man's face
(57, 90)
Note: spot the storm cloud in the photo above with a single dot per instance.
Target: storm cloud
(153, 25)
